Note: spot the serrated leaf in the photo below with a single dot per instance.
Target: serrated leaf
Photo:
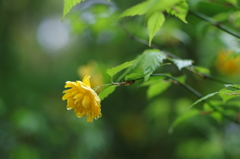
(68, 5)
(182, 63)
(107, 91)
(138, 9)
(227, 94)
(133, 76)
(201, 99)
(149, 61)
(157, 87)
(183, 118)
(155, 21)
(180, 10)
(202, 69)
(119, 68)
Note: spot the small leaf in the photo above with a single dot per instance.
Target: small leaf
(183, 118)
(182, 63)
(233, 86)
(68, 5)
(154, 23)
(202, 69)
(107, 91)
(227, 94)
(180, 10)
(201, 99)
(133, 76)
(138, 9)
(119, 68)
(157, 87)
(149, 61)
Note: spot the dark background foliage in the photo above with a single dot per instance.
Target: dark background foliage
(39, 53)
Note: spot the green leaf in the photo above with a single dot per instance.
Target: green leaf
(233, 86)
(119, 68)
(182, 63)
(180, 10)
(133, 76)
(138, 9)
(107, 91)
(183, 118)
(227, 94)
(157, 5)
(201, 99)
(68, 5)
(154, 23)
(156, 87)
(202, 69)
(149, 61)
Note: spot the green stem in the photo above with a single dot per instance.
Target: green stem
(214, 23)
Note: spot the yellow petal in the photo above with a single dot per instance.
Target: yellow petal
(86, 80)
(85, 101)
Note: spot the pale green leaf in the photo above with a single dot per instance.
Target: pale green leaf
(201, 99)
(133, 76)
(180, 10)
(119, 68)
(190, 114)
(107, 91)
(227, 94)
(182, 63)
(233, 85)
(202, 69)
(138, 9)
(155, 21)
(68, 5)
(149, 61)
(157, 87)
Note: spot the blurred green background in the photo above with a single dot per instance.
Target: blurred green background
(39, 53)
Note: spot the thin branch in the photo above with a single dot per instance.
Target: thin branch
(215, 23)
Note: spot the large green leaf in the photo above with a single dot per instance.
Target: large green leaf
(182, 118)
(107, 91)
(180, 10)
(227, 94)
(182, 63)
(138, 9)
(201, 99)
(119, 68)
(68, 5)
(149, 61)
(155, 21)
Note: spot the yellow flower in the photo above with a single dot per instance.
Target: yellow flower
(83, 99)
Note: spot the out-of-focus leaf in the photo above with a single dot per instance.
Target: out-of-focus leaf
(138, 9)
(182, 118)
(107, 91)
(149, 61)
(182, 63)
(182, 79)
(201, 99)
(155, 21)
(217, 116)
(180, 10)
(133, 76)
(68, 5)
(233, 85)
(157, 87)
(119, 68)
(202, 69)
(227, 94)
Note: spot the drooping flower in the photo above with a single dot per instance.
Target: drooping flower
(83, 99)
